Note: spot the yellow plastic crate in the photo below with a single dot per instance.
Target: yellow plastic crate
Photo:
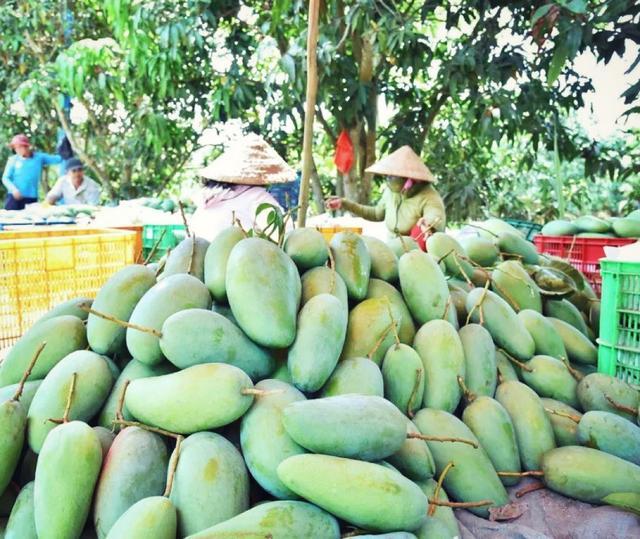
(329, 231)
(40, 268)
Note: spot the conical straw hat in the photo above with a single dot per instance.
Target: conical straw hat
(249, 161)
(403, 163)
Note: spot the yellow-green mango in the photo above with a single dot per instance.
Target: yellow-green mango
(382, 289)
(353, 263)
(548, 341)
(446, 248)
(549, 377)
(22, 524)
(324, 280)
(513, 284)
(402, 244)
(281, 373)
(567, 312)
(403, 375)
(481, 250)
(610, 433)
(351, 426)
(516, 246)
(579, 348)
(534, 432)
(63, 335)
(627, 228)
(481, 372)
(264, 441)
(306, 247)
(13, 422)
(494, 227)
(28, 391)
(413, 459)
(187, 257)
(281, 519)
(211, 483)
(589, 223)
(66, 475)
(443, 524)
(506, 370)
(438, 344)
(384, 262)
(363, 494)
(356, 375)
(263, 289)
(69, 307)
(473, 477)
(151, 517)
(215, 261)
(173, 294)
(423, 285)
(105, 437)
(564, 428)
(559, 227)
(597, 391)
(117, 297)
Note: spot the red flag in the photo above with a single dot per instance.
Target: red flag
(344, 153)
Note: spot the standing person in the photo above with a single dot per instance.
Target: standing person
(23, 171)
(74, 187)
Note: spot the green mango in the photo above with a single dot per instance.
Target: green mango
(68, 308)
(534, 432)
(66, 475)
(567, 312)
(135, 467)
(187, 258)
(588, 475)
(494, 227)
(548, 341)
(443, 523)
(93, 384)
(28, 392)
(506, 329)
(451, 315)
(594, 316)
(598, 391)
(491, 424)
(173, 294)
(594, 235)
(202, 397)
(423, 285)
(473, 476)
(322, 329)
(559, 227)
(282, 373)
(306, 247)
(384, 262)
(280, 520)
(195, 336)
(350, 426)
(402, 244)
(13, 422)
(210, 474)
(382, 289)
(63, 335)
(352, 262)
(105, 437)
(363, 494)
(513, 284)
(635, 214)
(610, 433)
(117, 297)
(356, 375)
(413, 459)
(589, 223)
(324, 280)
(481, 374)
(564, 428)
(263, 288)
(151, 517)
(506, 370)
(264, 441)
(22, 524)
(440, 349)
(480, 250)
(392, 535)
(447, 249)
(403, 375)
(516, 246)
(549, 377)
(215, 261)
(579, 348)
(458, 298)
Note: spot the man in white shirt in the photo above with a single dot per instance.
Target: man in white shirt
(74, 187)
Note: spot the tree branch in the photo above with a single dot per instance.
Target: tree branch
(324, 123)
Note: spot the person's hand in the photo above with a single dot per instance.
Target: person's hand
(333, 203)
(16, 194)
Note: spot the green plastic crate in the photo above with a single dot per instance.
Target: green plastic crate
(528, 229)
(173, 234)
(619, 342)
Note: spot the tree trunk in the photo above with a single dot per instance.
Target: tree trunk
(318, 197)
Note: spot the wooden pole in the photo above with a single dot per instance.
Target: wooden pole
(309, 114)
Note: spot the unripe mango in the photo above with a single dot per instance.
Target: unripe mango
(599, 391)
(549, 377)
(306, 247)
(382, 289)
(547, 340)
(481, 250)
(516, 246)
(564, 428)
(324, 280)
(105, 437)
(423, 285)
(13, 423)
(22, 524)
(567, 312)
(187, 258)
(447, 249)
(384, 262)
(69, 307)
(512, 282)
(402, 244)
(356, 375)
(579, 348)
(215, 261)
(150, 517)
(443, 524)
(403, 375)
(28, 392)
(413, 459)
(506, 370)
(481, 373)
(610, 433)
(353, 263)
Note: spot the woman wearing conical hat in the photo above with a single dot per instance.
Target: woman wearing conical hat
(409, 204)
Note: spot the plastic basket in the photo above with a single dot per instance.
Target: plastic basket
(619, 342)
(528, 229)
(170, 234)
(329, 231)
(41, 268)
(137, 252)
(584, 254)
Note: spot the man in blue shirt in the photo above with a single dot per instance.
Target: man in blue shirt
(22, 174)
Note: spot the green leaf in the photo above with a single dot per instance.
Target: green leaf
(540, 12)
(573, 41)
(288, 65)
(626, 500)
(575, 6)
(557, 63)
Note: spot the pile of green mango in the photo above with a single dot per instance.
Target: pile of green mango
(589, 226)
(251, 389)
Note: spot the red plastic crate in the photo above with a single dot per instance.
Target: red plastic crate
(584, 254)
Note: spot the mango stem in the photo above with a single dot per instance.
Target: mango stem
(155, 247)
(441, 439)
(163, 263)
(484, 230)
(27, 373)
(462, 272)
(184, 218)
(381, 339)
(173, 466)
(573, 417)
(469, 395)
(538, 485)
(67, 407)
(478, 305)
(520, 364)
(577, 375)
(192, 257)
(436, 492)
(414, 392)
(531, 473)
(459, 505)
(260, 392)
(120, 407)
(620, 407)
(151, 331)
(157, 430)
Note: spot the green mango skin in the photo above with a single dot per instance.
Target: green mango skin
(306, 247)
(423, 286)
(494, 227)
(179, 259)
(559, 227)
(491, 424)
(481, 372)
(547, 340)
(264, 441)
(481, 250)
(610, 433)
(441, 245)
(324, 280)
(506, 370)
(70, 308)
(281, 373)
(13, 423)
(197, 336)
(579, 348)
(627, 228)
(352, 262)
(66, 475)
(443, 524)
(403, 375)
(587, 474)
(534, 432)
(93, 384)
(322, 329)
(132, 371)
(263, 289)
(215, 261)
(28, 392)
(594, 389)
(588, 223)
(439, 346)
(384, 262)
(451, 315)
(22, 524)
(392, 535)
(635, 214)
(357, 375)
(350, 426)
(135, 468)
(473, 476)
(202, 397)
(105, 437)
(382, 289)
(413, 459)
(211, 483)
(402, 244)
(567, 312)
(151, 517)
(513, 284)
(506, 329)
(117, 297)
(172, 294)
(565, 429)
(281, 519)
(364, 494)
(458, 298)
(63, 335)
(516, 245)
(549, 377)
